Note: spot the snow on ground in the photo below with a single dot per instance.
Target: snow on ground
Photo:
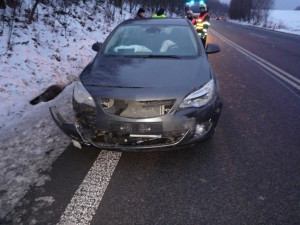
(287, 21)
(42, 54)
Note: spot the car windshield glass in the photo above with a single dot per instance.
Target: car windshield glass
(154, 40)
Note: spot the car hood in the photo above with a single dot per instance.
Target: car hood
(143, 77)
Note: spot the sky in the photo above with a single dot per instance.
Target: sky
(286, 4)
(40, 56)
(280, 4)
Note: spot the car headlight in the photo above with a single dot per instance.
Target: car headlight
(199, 97)
(82, 96)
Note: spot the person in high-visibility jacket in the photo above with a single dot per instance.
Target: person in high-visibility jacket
(159, 14)
(202, 23)
(190, 16)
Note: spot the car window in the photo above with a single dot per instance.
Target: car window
(133, 40)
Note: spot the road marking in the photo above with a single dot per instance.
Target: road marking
(258, 35)
(88, 196)
(287, 77)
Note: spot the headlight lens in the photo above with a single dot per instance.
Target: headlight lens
(82, 96)
(199, 97)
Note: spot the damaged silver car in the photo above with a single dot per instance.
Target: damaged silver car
(149, 87)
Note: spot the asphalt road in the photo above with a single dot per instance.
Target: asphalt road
(248, 173)
(278, 48)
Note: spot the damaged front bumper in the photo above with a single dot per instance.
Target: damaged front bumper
(68, 128)
(172, 131)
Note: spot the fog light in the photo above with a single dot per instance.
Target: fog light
(200, 129)
(203, 128)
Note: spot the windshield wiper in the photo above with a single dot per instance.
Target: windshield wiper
(161, 56)
(153, 56)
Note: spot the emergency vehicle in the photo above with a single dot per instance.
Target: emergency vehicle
(193, 6)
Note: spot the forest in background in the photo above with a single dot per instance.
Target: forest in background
(26, 12)
(18, 13)
(173, 6)
(250, 10)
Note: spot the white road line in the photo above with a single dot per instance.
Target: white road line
(258, 35)
(289, 78)
(88, 196)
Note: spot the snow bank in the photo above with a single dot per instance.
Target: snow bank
(48, 51)
(285, 21)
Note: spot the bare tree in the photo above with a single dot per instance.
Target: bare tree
(260, 10)
(132, 4)
(2, 4)
(217, 8)
(256, 10)
(240, 9)
(10, 18)
(30, 18)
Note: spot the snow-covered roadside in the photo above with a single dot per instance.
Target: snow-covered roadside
(28, 148)
(46, 53)
(287, 21)
(43, 53)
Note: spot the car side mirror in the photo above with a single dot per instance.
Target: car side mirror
(212, 48)
(97, 46)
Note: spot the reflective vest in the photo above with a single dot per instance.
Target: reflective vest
(200, 22)
(161, 16)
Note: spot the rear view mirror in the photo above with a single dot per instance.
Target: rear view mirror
(212, 48)
(97, 46)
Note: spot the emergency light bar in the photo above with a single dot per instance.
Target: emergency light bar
(194, 2)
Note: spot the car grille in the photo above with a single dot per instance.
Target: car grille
(132, 134)
(136, 109)
(109, 139)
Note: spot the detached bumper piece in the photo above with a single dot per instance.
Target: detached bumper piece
(67, 127)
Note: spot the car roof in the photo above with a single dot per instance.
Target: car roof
(157, 21)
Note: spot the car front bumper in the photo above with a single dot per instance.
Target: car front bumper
(185, 127)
